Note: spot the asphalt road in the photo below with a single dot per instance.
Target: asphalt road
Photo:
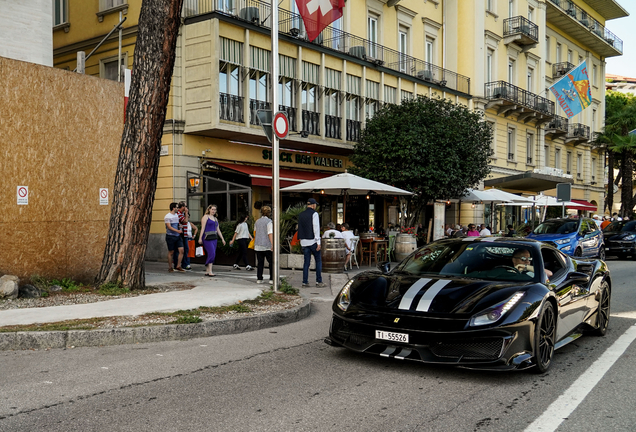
(287, 379)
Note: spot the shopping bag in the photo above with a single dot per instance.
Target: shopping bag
(251, 245)
(191, 246)
(199, 252)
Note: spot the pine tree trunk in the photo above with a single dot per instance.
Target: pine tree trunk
(136, 176)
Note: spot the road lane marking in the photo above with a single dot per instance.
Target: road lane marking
(578, 391)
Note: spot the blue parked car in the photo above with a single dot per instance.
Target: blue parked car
(575, 237)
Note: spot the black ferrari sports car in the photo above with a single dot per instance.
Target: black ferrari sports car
(486, 303)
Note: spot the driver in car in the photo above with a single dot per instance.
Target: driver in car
(522, 261)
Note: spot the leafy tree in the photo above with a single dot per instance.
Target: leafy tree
(431, 147)
(620, 119)
(136, 175)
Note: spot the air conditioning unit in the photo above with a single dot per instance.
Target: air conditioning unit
(426, 75)
(500, 92)
(250, 14)
(358, 51)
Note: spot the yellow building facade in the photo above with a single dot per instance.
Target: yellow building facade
(492, 55)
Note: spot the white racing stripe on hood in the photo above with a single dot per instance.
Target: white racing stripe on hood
(407, 299)
(429, 295)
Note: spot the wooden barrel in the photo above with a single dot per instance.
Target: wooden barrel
(333, 253)
(405, 244)
(367, 236)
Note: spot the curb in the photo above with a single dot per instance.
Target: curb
(134, 335)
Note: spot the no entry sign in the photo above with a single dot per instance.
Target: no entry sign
(23, 195)
(281, 125)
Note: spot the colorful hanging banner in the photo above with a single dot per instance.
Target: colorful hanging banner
(573, 92)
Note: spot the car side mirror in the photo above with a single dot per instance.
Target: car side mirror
(578, 278)
(384, 267)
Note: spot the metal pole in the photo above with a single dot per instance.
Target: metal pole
(119, 52)
(275, 157)
(104, 40)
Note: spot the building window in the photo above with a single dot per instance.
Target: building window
(390, 94)
(568, 163)
(546, 155)
(557, 158)
(593, 123)
(511, 71)
(372, 34)
(60, 12)
(547, 48)
(511, 8)
(569, 56)
(286, 92)
(109, 4)
(530, 14)
(580, 60)
(258, 85)
(511, 144)
(373, 95)
(593, 170)
(529, 148)
(406, 95)
(429, 54)
(490, 7)
(403, 45)
(490, 54)
(594, 75)
(579, 166)
(229, 79)
(108, 67)
(530, 80)
(558, 53)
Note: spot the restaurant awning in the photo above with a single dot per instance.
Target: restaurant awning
(262, 176)
(587, 206)
(528, 181)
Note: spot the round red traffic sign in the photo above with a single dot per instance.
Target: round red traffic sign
(103, 193)
(22, 191)
(280, 125)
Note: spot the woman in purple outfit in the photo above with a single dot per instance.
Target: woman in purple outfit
(209, 222)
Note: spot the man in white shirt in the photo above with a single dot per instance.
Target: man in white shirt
(347, 236)
(174, 240)
(484, 231)
(332, 232)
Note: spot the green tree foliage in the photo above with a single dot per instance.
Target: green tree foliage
(431, 147)
(620, 119)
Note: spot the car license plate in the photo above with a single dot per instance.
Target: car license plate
(391, 336)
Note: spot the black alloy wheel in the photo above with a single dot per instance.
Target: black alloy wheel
(603, 312)
(578, 253)
(544, 335)
(601, 253)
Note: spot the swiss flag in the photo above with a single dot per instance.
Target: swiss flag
(318, 14)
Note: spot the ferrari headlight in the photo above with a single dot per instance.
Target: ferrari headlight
(562, 241)
(493, 314)
(344, 298)
(629, 237)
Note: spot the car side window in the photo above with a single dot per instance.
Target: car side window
(553, 261)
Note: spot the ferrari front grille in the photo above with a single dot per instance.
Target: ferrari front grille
(480, 349)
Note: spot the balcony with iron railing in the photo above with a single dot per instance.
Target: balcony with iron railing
(256, 105)
(291, 116)
(557, 127)
(577, 133)
(521, 31)
(231, 107)
(311, 122)
(332, 127)
(354, 129)
(574, 21)
(511, 99)
(561, 69)
(258, 13)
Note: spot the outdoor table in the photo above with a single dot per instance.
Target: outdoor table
(376, 245)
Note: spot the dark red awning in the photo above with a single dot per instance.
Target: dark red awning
(262, 176)
(588, 206)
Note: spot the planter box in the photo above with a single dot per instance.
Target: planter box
(295, 262)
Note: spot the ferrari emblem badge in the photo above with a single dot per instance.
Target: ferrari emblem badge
(396, 320)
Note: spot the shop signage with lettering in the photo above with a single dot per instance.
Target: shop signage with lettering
(305, 159)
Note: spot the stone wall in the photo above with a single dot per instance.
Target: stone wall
(59, 135)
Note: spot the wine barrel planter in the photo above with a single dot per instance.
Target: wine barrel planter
(405, 244)
(333, 253)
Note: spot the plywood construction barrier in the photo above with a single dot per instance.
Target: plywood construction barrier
(59, 143)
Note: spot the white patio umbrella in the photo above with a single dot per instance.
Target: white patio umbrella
(346, 184)
(507, 197)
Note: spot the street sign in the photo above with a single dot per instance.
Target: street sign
(23, 195)
(265, 119)
(281, 124)
(563, 192)
(103, 196)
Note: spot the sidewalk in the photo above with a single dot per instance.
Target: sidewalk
(229, 287)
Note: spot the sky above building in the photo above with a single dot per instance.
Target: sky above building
(624, 29)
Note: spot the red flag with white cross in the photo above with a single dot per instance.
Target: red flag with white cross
(318, 14)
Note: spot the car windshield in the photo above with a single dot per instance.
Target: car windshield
(558, 226)
(478, 260)
(617, 226)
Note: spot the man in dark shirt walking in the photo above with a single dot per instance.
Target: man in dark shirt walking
(309, 236)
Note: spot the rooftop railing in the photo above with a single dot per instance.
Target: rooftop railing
(593, 25)
(290, 23)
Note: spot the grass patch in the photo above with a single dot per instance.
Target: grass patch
(113, 289)
(69, 285)
(80, 324)
(188, 319)
(239, 308)
(285, 287)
